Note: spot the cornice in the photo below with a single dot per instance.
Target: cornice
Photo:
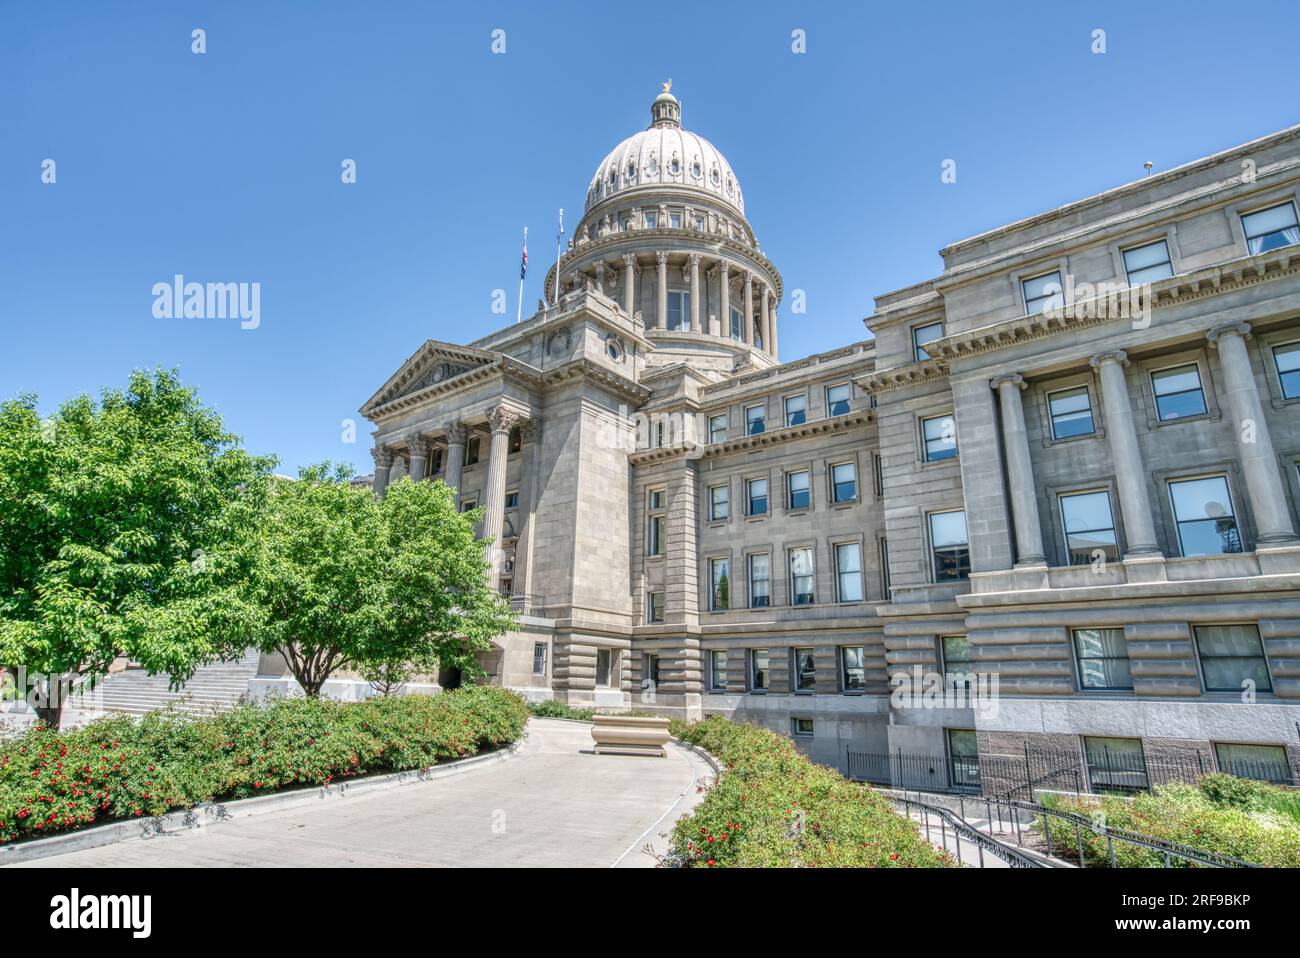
(588, 371)
(819, 427)
(897, 377)
(744, 380)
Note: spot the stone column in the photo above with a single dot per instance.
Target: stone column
(530, 489)
(501, 420)
(748, 323)
(763, 321)
(724, 284)
(1130, 473)
(383, 465)
(420, 448)
(661, 303)
(771, 328)
(694, 260)
(1254, 444)
(456, 436)
(1020, 472)
(629, 284)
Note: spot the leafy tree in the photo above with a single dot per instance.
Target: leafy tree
(120, 524)
(381, 585)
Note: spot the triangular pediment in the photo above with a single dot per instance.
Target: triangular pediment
(432, 364)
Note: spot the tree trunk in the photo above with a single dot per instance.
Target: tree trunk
(50, 715)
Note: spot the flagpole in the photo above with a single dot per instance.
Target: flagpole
(519, 313)
(559, 242)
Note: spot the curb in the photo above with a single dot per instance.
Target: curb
(209, 813)
(713, 762)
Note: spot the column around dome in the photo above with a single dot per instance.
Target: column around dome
(661, 303)
(724, 284)
(694, 260)
(748, 329)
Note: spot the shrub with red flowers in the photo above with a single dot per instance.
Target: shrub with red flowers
(118, 768)
(773, 808)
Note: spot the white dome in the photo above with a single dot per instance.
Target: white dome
(666, 155)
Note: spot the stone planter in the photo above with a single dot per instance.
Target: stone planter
(629, 735)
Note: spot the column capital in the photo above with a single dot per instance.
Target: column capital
(383, 458)
(749, 278)
(661, 257)
(629, 260)
(725, 267)
(1010, 379)
(503, 419)
(419, 445)
(457, 433)
(693, 259)
(1115, 355)
(1228, 329)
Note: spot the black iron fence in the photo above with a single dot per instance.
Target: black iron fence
(1021, 776)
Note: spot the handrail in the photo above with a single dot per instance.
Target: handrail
(963, 829)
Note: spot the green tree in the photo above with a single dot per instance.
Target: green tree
(346, 579)
(120, 527)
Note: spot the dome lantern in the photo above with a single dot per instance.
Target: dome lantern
(665, 111)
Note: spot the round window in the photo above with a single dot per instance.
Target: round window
(614, 350)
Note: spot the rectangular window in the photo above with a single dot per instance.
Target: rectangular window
(1264, 763)
(879, 470)
(844, 482)
(604, 667)
(853, 668)
(796, 410)
(1071, 411)
(923, 336)
(469, 505)
(805, 671)
(718, 670)
(657, 499)
(512, 500)
(1287, 360)
(958, 660)
(802, 727)
(1203, 512)
(1178, 392)
(675, 220)
(758, 670)
(1147, 264)
(964, 756)
(539, 658)
(1103, 659)
(884, 568)
(649, 671)
(1115, 764)
(651, 220)
(1232, 656)
(949, 547)
(756, 494)
(940, 435)
(655, 608)
(679, 309)
(718, 428)
(760, 584)
(655, 545)
(737, 325)
(719, 585)
(472, 451)
(1089, 528)
(848, 571)
(1272, 228)
(719, 502)
(1043, 293)
(837, 399)
(801, 577)
(798, 489)
(755, 419)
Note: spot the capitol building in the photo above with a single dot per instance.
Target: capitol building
(1087, 514)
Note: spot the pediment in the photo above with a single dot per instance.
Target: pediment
(433, 364)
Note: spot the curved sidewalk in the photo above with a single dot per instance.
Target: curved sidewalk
(552, 804)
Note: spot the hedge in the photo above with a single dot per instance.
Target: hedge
(773, 808)
(122, 767)
(1222, 814)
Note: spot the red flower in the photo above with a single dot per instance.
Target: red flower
(893, 857)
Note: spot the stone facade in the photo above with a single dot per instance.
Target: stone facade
(688, 525)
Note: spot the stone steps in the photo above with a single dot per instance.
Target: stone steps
(217, 686)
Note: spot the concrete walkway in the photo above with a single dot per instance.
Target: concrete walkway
(552, 804)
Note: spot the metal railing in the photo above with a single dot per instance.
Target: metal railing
(964, 831)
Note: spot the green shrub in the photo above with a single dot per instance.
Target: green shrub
(554, 708)
(1209, 817)
(120, 767)
(772, 807)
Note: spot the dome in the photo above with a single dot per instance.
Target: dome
(666, 155)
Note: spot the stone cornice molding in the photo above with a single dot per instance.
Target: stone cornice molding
(898, 377)
(1113, 355)
(740, 382)
(588, 371)
(1236, 274)
(1014, 379)
(1241, 329)
(817, 427)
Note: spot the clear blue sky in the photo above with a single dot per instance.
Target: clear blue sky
(225, 166)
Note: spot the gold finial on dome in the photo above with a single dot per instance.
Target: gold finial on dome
(668, 87)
